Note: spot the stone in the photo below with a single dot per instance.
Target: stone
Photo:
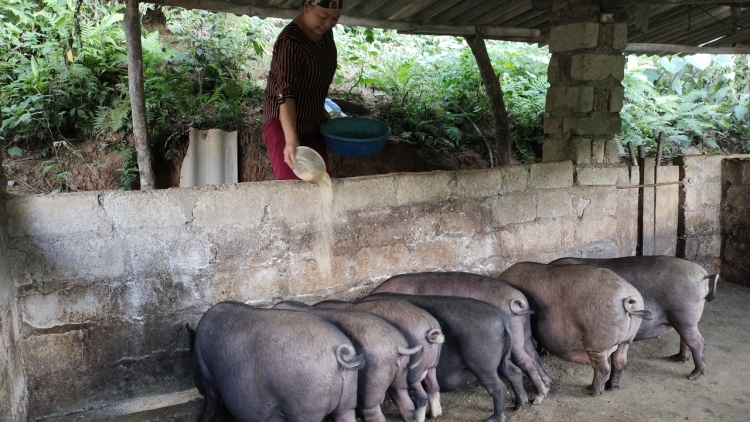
(573, 36)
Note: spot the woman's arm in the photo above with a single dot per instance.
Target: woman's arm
(288, 117)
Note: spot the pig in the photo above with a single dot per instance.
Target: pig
(271, 365)
(477, 345)
(387, 354)
(674, 291)
(509, 299)
(583, 314)
(420, 329)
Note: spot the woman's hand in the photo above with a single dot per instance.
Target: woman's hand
(290, 150)
(326, 117)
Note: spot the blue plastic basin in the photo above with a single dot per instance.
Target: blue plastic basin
(355, 136)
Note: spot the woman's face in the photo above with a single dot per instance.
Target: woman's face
(320, 19)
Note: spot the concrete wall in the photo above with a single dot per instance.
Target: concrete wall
(107, 280)
(12, 380)
(735, 218)
(700, 198)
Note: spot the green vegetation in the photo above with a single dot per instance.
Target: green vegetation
(63, 77)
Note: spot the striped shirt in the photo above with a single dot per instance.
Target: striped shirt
(301, 69)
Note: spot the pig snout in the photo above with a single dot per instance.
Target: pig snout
(348, 358)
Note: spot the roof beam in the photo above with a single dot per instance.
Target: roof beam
(490, 32)
(684, 49)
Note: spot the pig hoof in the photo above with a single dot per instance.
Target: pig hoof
(589, 389)
(494, 418)
(696, 374)
(678, 358)
(538, 400)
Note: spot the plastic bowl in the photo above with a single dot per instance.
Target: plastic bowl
(310, 165)
(355, 136)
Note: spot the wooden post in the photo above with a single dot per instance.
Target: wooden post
(137, 96)
(633, 158)
(641, 152)
(495, 93)
(659, 147)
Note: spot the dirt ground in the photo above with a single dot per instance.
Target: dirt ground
(654, 389)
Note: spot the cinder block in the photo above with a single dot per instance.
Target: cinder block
(249, 284)
(555, 150)
(166, 208)
(596, 67)
(435, 255)
(553, 126)
(151, 252)
(611, 151)
(540, 237)
(297, 203)
(581, 150)
(364, 194)
(597, 151)
(55, 214)
(616, 99)
(478, 183)
(620, 40)
(738, 196)
(711, 193)
(573, 36)
(578, 99)
(513, 208)
(307, 276)
(553, 70)
(554, 204)
(373, 263)
(552, 175)
(67, 305)
(238, 207)
(597, 176)
(515, 178)
(72, 257)
(593, 126)
(703, 222)
(414, 188)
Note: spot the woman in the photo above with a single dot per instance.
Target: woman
(302, 68)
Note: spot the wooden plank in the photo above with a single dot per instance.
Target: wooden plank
(642, 16)
(647, 205)
(411, 9)
(666, 210)
(687, 49)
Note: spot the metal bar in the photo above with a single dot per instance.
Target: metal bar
(651, 185)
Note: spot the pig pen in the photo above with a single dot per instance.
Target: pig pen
(95, 287)
(654, 388)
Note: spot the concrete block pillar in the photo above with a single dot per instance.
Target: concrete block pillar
(585, 75)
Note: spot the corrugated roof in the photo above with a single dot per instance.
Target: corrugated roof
(683, 23)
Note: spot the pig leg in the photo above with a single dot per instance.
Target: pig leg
(528, 346)
(684, 354)
(211, 399)
(600, 363)
(433, 392)
(528, 362)
(619, 360)
(515, 377)
(348, 416)
(694, 340)
(419, 397)
(372, 414)
(487, 375)
(404, 403)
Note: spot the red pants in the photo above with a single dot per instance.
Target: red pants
(273, 134)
